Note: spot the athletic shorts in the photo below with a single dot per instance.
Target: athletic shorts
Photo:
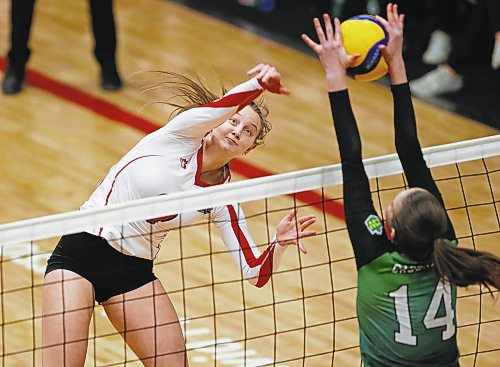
(109, 271)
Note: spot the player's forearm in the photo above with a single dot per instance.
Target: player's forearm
(348, 138)
(405, 126)
(397, 71)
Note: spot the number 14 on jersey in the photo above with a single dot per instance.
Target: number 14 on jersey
(442, 293)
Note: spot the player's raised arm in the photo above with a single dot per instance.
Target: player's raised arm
(196, 122)
(364, 226)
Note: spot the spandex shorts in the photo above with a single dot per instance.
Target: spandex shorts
(109, 271)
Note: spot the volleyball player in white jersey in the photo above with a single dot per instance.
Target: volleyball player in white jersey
(113, 264)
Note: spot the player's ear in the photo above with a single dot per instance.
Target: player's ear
(249, 149)
(392, 234)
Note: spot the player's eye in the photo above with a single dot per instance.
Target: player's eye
(233, 121)
(248, 131)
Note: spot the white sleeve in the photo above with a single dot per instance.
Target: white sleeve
(197, 122)
(256, 267)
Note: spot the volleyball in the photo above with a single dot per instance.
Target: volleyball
(362, 35)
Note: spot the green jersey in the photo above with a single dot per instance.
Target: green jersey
(406, 315)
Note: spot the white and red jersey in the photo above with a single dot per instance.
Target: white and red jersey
(169, 161)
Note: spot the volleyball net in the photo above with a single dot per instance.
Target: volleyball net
(305, 315)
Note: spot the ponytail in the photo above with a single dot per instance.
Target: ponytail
(465, 267)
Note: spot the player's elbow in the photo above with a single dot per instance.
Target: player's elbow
(250, 275)
(258, 282)
(257, 278)
(253, 281)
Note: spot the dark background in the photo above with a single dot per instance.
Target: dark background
(479, 99)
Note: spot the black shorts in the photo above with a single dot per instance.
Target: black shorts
(109, 271)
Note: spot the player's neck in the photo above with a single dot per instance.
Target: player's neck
(213, 176)
(213, 160)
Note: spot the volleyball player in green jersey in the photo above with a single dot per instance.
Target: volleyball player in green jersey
(406, 278)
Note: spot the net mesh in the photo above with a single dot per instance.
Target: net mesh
(306, 315)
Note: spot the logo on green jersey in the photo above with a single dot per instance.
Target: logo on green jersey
(374, 225)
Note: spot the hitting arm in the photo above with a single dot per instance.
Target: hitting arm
(197, 122)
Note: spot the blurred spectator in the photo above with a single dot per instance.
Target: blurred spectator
(482, 31)
(248, 2)
(448, 19)
(103, 26)
(264, 5)
(344, 9)
(495, 57)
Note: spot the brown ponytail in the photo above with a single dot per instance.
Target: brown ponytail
(465, 267)
(420, 223)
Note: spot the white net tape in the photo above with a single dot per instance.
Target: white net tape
(242, 191)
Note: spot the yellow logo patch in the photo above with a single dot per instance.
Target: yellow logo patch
(374, 225)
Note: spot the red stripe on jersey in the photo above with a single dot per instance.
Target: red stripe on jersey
(265, 259)
(267, 269)
(116, 176)
(240, 99)
(161, 219)
(197, 176)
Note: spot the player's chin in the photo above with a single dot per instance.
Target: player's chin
(230, 145)
(230, 149)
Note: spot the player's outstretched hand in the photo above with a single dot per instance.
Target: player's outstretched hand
(291, 229)
(269, 77)
(394, 26)
(330, 49)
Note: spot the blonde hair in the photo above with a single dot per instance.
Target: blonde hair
(191, 92)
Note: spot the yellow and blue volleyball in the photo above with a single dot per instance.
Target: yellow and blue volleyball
(362, 35)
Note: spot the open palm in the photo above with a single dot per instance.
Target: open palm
(394, 26)
(330, 49)
(291, 229)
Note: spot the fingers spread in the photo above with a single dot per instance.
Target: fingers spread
(272, 76)
(307, 234)
(309, 41)
(291, 214)
(383, 21)
(255, 69)
(263, 70)
(319, 30)
(338, 31)
(328, 26)
(395, 11)
(306, 218)
(305, 222)
(390, 16)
